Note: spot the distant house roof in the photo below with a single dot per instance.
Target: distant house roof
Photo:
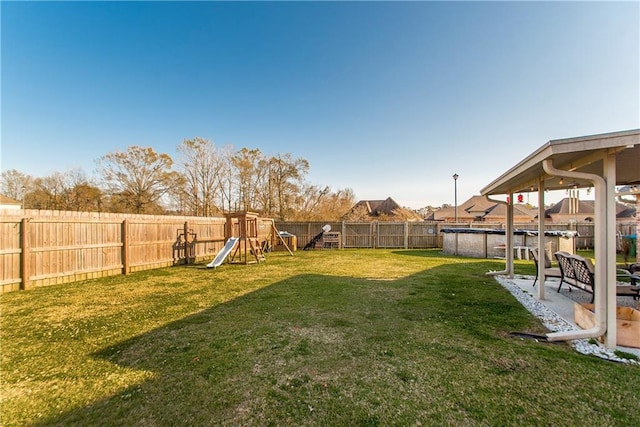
(382, 208)
(441, 214)
(499, 213)
(564, 207)
(479, 208)
(7, 202)
(477, 204)
(569, 206)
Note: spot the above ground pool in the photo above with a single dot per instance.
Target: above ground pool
(491, 242)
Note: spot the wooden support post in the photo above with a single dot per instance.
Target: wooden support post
(25, 255)
(277, 235)
(185, 233)
(125, 246)
(187, 243)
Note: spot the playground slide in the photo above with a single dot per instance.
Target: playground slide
(317, 238)
(220, 257)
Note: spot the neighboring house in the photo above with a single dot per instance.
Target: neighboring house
(481, 209)
(571, 209)
(8, 203)
(387, 210)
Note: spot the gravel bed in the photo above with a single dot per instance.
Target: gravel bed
(555, 323)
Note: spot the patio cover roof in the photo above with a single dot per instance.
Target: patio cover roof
(581, 154)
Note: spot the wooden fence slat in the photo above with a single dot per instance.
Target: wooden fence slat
(25, 258)
(125, 246)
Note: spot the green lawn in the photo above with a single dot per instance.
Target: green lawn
(327, 338)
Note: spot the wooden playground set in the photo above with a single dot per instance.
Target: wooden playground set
(248, 238)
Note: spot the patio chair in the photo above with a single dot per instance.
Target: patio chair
(579, 272)
(576, 271)
(567, 274)
(625, 275)
(549, 270)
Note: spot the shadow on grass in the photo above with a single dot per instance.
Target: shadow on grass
(312, 349)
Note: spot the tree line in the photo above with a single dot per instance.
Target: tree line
(205, 180)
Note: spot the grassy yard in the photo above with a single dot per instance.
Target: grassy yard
(330, 338)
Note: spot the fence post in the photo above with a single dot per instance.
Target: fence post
(406, 235)
(25, 256)
(374, 234)
(185, 233)
(125, 246)
(189, 245)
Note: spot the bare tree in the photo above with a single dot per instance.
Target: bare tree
(15, 185)
(336, 204)
(69, 190)
(317, 203)
(138, 178)
(264, 198)
(47, 193)
(247, 164)
(211, 180)
(308, 201)
(286, 178)
(227, 179)
(202, 167)
(79, 193)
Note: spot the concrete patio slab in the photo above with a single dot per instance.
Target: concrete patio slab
(560, 303)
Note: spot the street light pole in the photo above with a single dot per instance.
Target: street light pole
(455, 196)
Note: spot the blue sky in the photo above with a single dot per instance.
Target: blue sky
(385, 98)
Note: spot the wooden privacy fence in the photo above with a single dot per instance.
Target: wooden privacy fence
(40, 248)
(408, 235)
(423, 235)
(45, 248)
